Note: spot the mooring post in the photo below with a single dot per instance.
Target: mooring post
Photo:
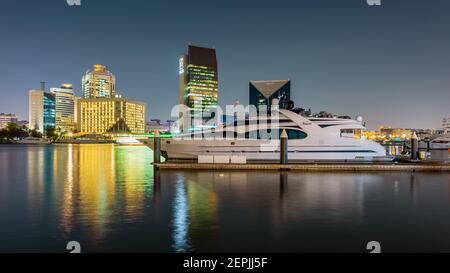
(414, 146)
(284, 148)
(157, 147)
(404, 147)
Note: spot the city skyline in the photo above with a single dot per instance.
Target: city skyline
(392, 68)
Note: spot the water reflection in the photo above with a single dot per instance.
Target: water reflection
(180, 218)
(195, 211)
(92, 185)
(259, 210)
(111, 200)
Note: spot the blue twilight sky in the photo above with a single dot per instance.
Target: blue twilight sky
(390, 64)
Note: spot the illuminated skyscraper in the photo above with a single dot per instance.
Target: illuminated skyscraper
(41, 110)
(65, 107)
(199, 82)
(263, 92)
(98, 83)
(111, 115)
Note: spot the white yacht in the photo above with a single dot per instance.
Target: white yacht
(438, 142)
(33, 141)
(310, 139)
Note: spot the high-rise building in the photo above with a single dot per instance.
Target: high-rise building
(199, 85)
(49, 111)
(5, 119)
(98, 83)
(64, 107)
(41, 110)
(263, 92)
(111, 115)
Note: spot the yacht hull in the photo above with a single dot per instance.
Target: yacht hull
(263, 151)
(258, 139)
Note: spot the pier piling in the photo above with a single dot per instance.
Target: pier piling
(414, 146)
(157, 148)
(284, 148)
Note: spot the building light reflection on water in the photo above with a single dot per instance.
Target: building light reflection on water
(180, 218)
(35, 171)
(68, 204)
(91, 186)
(96, 187)
(104, 197)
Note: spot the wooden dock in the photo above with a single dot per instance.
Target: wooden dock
(310, 167)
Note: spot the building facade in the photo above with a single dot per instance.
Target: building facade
(395, 133)
(41, 111)
(98, 83)
(75, 113)
(199, 86)
(111, 115)
(156, 124)
(5, 119)
(261, 93)
(64, 108)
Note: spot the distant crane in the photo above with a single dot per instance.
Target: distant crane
(43, 86)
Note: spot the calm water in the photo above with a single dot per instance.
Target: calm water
(105, 198)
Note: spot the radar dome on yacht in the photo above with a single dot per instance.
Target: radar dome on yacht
(359, 118)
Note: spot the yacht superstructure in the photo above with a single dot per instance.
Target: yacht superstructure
(310, 139)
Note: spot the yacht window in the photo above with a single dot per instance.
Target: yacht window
(294, 134)
(263, 134)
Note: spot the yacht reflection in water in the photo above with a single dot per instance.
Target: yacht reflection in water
(267, 207)
(276, 198)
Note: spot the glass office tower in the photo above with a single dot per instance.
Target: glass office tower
(49, 111)
(263, 92)
(199, 85)
(65, 107)
(41, 111)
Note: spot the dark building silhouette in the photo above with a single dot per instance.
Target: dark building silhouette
(263, 92)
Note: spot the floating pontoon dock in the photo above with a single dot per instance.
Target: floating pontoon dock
(319, 167)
